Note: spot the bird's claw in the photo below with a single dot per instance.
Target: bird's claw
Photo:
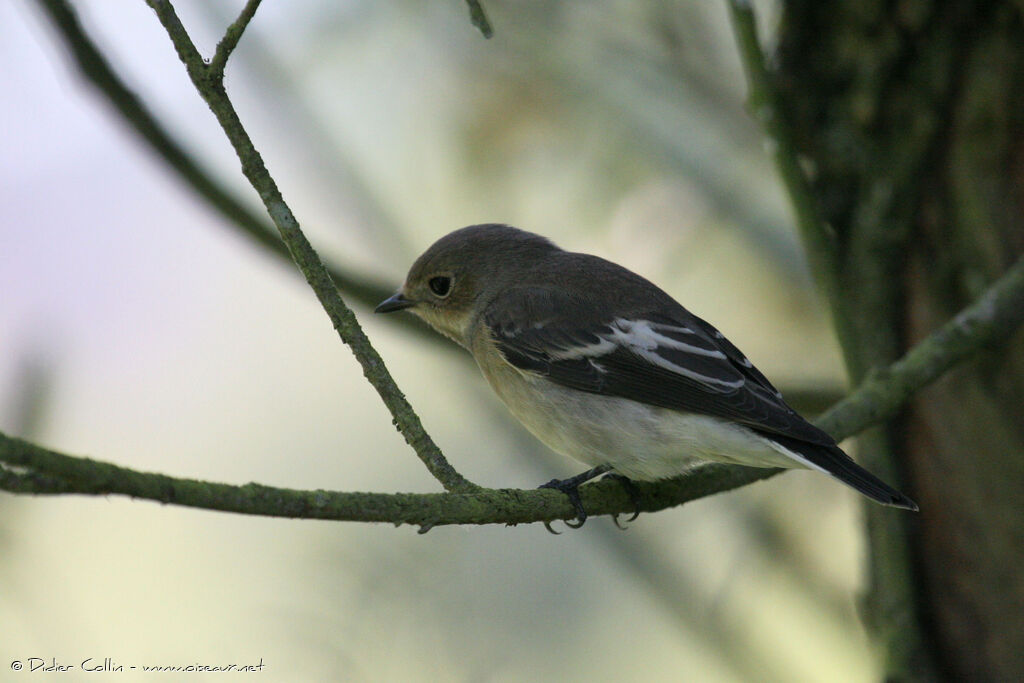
(569, 487)
(632, 491)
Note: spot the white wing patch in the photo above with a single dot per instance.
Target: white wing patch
(601, 348)
(646, 339)
(642, 334)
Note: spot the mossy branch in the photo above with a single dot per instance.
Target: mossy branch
(819, 240)
(478, 18)
(232, 35)
(28, 468)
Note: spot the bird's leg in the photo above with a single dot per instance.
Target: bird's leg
(570, 487)
(634, 496)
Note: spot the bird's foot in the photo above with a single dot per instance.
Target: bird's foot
(634, 497)
(570, 487)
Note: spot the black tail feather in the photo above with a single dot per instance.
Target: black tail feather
(833, 461)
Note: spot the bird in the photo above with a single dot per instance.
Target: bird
(605, 367)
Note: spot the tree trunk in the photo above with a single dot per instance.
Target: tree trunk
(912, 116)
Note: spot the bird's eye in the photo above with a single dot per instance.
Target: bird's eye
(440, 285)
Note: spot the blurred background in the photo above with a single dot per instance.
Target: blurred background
(138, 326)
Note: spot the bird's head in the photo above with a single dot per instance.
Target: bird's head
(461, 272)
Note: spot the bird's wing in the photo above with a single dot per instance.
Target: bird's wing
(673, 360)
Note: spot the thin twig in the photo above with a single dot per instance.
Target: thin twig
(478, 18)
(763, 101)
(231, 37)
(990, 320)
(211, 88)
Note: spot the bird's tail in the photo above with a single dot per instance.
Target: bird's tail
(833, 461)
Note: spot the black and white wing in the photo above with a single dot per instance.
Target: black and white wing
(675, 361)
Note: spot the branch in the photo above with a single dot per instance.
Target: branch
(818, 238)
(209, 82)
(28, 468)
(55, 473)
(478, 18)
(232, 35)
(993, 317)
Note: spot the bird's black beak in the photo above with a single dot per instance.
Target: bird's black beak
(394, 303)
